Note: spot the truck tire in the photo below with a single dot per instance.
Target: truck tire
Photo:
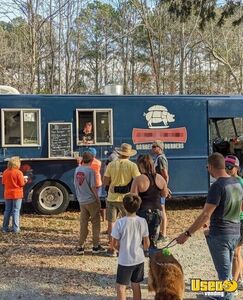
(50, 198)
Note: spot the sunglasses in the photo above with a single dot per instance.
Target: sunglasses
(229, 167)
(154, 146)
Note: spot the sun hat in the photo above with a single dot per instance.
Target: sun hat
(231, 160)
(92, 151)
(159, 144)
(126, 150)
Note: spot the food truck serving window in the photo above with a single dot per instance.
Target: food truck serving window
(94, 126)
(21, 127)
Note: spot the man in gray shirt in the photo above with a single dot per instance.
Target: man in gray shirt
(85, 187)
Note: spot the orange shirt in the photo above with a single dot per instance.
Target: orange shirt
(96, 165)
(13, 180)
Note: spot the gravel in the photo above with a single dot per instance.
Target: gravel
(41, 262)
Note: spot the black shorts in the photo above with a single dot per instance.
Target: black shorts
(102, 203)
(241, 233)
(127, 274)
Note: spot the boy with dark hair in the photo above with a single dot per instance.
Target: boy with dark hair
(131, 237)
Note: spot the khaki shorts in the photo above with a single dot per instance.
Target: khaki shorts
(113, 209)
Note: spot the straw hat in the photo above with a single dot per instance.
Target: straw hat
(126, 150)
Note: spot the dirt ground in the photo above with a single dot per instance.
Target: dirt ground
(41, 262)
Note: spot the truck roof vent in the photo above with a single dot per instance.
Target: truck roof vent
(113, 89)
(5, 89)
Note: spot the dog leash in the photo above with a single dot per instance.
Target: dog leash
(171, 244)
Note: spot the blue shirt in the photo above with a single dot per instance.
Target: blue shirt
(227, 194)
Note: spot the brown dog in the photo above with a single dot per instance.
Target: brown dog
(166, 277)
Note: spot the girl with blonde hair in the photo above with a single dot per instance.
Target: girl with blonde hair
(13, 181)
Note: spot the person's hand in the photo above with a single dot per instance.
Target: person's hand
(182, 238)
(206, 229)
(169, 194)
(205, 226)
(206, 232)
(112, 189)
(79, 160)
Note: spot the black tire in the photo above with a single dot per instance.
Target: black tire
(50, 198)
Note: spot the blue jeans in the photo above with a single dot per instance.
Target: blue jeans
(12, 208)
(222, 252)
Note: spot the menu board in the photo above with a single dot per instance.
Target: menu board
(60, 137)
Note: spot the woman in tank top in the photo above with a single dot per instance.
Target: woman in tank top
(150, 186)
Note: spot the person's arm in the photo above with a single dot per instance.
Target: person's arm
(164, 173)
(116, 235)
(21, 180)
(115, 243)
(134, 187)
(93, 188)
(163, 168)
(145, 235)
(106, 181)
(107, 177)
(162, 185)
(202, 219)
(92, 184)
(164, 191)
(135, 171)
(146, 243)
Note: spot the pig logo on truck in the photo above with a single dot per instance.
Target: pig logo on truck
(158, 114)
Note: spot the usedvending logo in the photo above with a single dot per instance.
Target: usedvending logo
(213, 287)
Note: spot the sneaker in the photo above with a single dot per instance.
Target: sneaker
(5, 230)
(111, 253)
(98, 249)
(80, 250)
(240, 285)
(162, 238)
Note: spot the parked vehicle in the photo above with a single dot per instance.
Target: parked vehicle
(47, 132)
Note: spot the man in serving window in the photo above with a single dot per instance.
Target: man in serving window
(87, 135)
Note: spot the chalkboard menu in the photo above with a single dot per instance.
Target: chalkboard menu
(60, 139)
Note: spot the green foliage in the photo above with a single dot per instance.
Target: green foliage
(206, 10)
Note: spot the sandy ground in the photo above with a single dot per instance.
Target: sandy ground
(41, 262)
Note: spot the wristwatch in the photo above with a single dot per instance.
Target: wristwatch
(187, 233)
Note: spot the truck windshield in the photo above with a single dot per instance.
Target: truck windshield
(226, 136)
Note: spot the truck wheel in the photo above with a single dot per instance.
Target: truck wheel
(50, 198)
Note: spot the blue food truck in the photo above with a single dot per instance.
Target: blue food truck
(49, 132)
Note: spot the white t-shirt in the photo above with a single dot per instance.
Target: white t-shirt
(130, 232)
